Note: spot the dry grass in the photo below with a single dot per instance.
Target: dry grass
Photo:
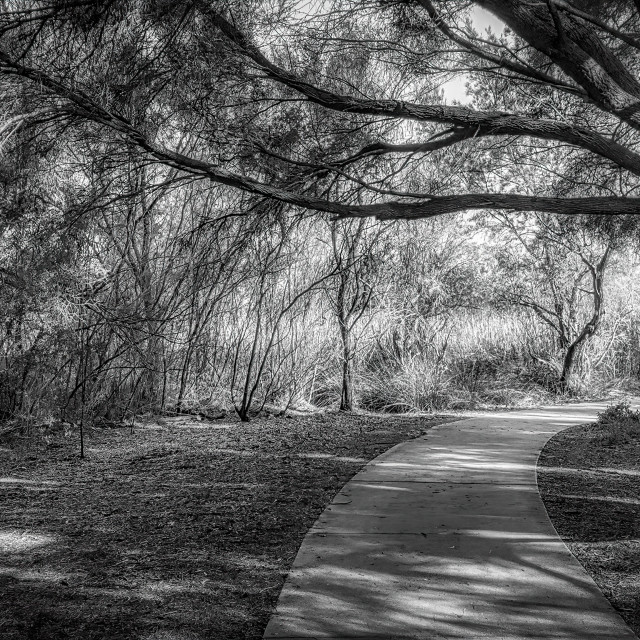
(181, 530)
(589, 478)
(486, 359)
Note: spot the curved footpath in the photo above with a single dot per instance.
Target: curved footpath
(446, 537)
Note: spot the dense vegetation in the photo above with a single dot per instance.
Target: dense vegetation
(215, 206)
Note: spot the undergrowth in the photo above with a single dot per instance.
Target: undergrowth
(618, 424)
(481, 362)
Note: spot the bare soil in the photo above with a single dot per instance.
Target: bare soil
(176, 530)
(589, 479)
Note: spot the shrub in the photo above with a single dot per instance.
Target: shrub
(619, 424)
(617, 413)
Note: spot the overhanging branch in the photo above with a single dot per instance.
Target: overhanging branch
(576, 48)
(625, 37)
(440, 205)
(79, 103)
(489, 123)
(441, 141)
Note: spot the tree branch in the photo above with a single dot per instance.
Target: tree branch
(485, 122)
(441, 141)
(556, 19)
(440, 205)
(565, 6)
(321, 169)
(580, 54)
(511, 65)
(83, 105)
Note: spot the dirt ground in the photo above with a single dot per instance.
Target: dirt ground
(179, 530)
(184, 529)
(589, 478)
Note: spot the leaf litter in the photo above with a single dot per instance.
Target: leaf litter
(179, 530)
(589, 480)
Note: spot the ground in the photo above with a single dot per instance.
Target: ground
(184, 530)
(589, 479)
(178, 530)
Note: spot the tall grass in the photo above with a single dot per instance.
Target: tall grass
(476, 359)
(459, 360)
(487, 359)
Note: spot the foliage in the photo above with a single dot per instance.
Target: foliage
(618, 413)
(619, 424)
(160, 162)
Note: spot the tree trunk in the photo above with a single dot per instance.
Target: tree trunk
(567, 366)
(152, 356)
(589, 330)
(346, 395)
(243, 413)
(184, 373)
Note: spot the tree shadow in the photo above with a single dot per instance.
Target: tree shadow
(463, 576)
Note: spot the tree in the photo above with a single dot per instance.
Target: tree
(356, 255)
(266, 310)
(558, 272)
(68, 59)
(172, 137)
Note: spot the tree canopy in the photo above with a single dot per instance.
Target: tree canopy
(337, 106)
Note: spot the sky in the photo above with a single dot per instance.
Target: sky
(482, 19)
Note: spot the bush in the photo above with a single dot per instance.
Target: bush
(619, 424)
(617, 413)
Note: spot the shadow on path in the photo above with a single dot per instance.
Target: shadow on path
(446, 537)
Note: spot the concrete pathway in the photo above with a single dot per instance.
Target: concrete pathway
(446, 537)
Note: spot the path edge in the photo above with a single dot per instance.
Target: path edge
(560, 538)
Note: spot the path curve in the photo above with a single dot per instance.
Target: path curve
(446, 536)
